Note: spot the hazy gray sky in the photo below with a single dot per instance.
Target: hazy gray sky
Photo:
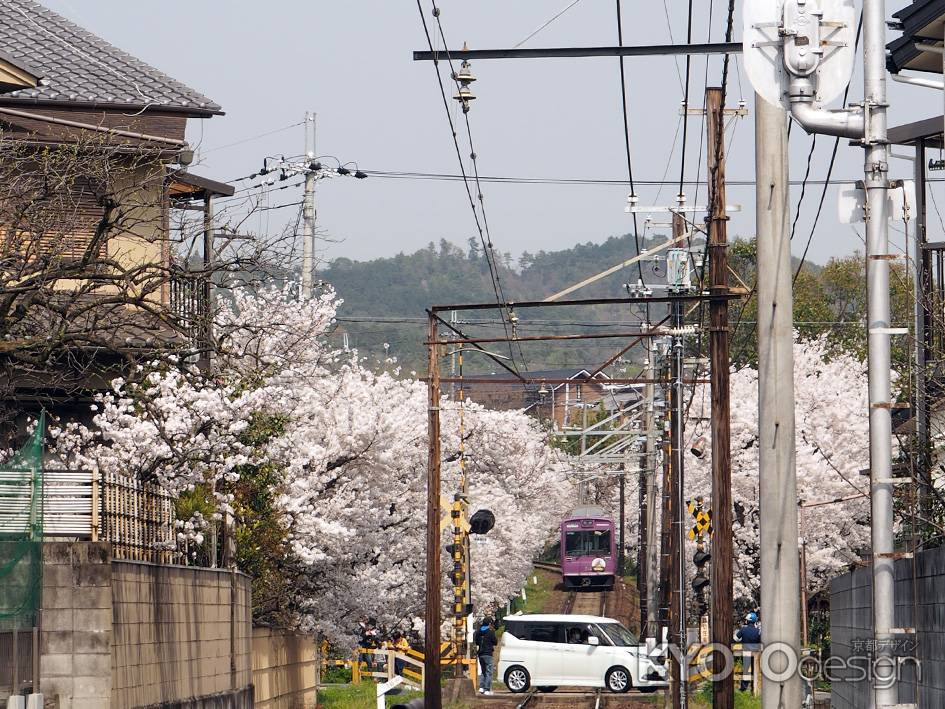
(350, 61)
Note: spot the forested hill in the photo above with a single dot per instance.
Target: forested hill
(385, 301)
(405, 285)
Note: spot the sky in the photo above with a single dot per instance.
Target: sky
(350, 62)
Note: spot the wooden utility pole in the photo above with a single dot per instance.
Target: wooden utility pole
(648, 466)
(668, 568)
(677, 573)
(723, 690)
(642, 548)
(432, 695)
(622, 553)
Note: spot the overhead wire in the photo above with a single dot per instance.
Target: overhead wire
(626, 137)
(548, 22)
(481, 225)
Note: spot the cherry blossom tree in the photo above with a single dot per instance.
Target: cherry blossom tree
(831, 437)
(344, 449)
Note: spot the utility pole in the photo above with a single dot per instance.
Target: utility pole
(804, 633)
(677, 610)
(308, 209)
(621, 553)
(668, 557)
(648, 465)
(876, 182)
(777, 474)
(433, 698)
(723, 690)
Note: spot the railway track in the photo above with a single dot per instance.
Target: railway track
(587, 602)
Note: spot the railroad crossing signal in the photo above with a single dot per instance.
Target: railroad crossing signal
(702, 517)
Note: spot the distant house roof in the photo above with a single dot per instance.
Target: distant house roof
(15, 75)
(82, 69)
(921, 22)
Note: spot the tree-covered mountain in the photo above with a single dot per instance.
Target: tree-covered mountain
(385, 301)
(383, 295)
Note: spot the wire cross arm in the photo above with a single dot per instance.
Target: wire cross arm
(646, 50)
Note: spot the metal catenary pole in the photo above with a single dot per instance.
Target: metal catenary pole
(723, 693)
(778, 485)
(308, 209)
(431, 661)
(876, 182)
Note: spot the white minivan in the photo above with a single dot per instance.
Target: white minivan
(548, 651)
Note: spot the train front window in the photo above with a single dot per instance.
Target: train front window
(587, 543)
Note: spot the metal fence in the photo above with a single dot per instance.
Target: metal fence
(18, 654)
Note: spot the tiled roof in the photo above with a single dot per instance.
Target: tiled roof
(81, 68)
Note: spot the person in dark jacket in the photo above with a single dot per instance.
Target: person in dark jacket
(750, 637)
(485, 640)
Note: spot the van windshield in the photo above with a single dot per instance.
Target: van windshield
(587, 542)
(619, 635)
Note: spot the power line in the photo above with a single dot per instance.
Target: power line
(484, 235)
(250, 139)
(833, 157)
(626, 137)
(543, 26)
(685, 106)
(606, 182)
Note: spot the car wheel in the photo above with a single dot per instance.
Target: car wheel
(618, 680)
(546, 689)
(517, 679)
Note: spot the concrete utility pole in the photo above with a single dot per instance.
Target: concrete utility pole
(308, 209)
(432, 695)
(723, 690)
(778, 482)
(876, 182)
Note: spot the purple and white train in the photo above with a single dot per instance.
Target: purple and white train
(588, 550)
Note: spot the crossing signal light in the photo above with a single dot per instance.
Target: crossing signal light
(700, 580)
(481, 522)
(451, 549)
(702, 607)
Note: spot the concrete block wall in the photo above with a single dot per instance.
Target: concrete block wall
(179, 634)
(129, 635)
(76, 626)
(285, 669)
(851, 608)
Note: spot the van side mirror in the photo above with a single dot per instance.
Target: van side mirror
(593, 640)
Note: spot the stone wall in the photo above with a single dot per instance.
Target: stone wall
(124, 635)
(851, 608)
(179, 633)
(285, 670)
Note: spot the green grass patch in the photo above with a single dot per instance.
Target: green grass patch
(364, 696)
(702, 698)
(358, 696)
(537, 596)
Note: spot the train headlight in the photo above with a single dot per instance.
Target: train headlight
(598, 565)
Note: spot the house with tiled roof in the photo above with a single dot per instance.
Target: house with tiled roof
(93, 156)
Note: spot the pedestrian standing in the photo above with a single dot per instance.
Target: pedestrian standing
(750, 637)
(485, 640)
